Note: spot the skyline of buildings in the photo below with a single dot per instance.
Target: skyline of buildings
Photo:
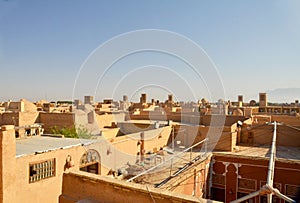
(158, 151)
(283, 99)
(149, 101)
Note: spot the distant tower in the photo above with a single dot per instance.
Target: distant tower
(170, 98)
(143, 98)
(88, 99)
(240, 100)
(125, 98)
(77, 102)
(263, 100)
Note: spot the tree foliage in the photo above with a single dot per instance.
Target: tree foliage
(72, 132)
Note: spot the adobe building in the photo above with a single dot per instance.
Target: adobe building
(240, 100)
(223, 175)
(89, 185)
(245, 169)
(24, 115)
(184, 156)
(263, 100)
(143, 98)
(88, 100)
(32, 168)
(38, 163)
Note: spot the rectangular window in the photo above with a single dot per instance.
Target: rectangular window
(242, 194)
(218, 179)
(218, 194)
(41, 170)
(247, 184)
(292, 190)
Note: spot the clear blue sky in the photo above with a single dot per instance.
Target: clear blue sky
(254, 44)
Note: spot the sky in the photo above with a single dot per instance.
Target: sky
(45, 46)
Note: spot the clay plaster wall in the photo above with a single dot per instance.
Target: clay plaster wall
(46, 190)
(191, 118)
(9, 118)
(19, 118)
(8, 165)
(232, 168)
(14, 171)
(289, 120)
(28, 118)
(193, 182)
(56, 119)
(128, 128)
(79, 186)
(220, 138)
(262, 135)
(107, 119)
(154, 139)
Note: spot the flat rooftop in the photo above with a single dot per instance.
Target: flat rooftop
(41, 144)
(282, 152)
(154, 121)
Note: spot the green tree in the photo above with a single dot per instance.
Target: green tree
(72, 132)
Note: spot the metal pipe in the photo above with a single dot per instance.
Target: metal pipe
(179, 171)
(176, 155)
(253, 194)
(285, 198)
(263, 189)
(292, 127)
(210, 179)
(173, 138)
(270, 177)
(142, 147)
(171, 167)
(195, 183)
(205, 145)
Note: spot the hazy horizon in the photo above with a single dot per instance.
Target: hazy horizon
(282, 95)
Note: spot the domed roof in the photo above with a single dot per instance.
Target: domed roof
(204, 100)
(42, 101)
(237, 112)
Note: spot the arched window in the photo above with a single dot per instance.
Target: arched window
(91, 162)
